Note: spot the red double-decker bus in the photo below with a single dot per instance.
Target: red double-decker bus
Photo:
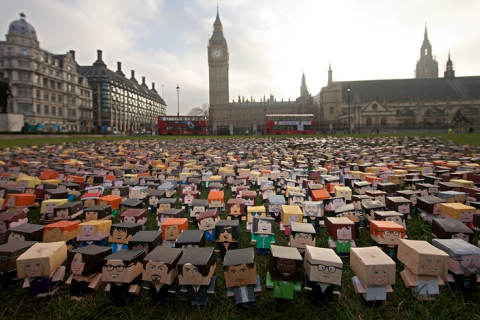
(290, 124)
(182, 125)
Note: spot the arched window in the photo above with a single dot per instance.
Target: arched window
(383, 122)
(369, 122)
(331, 110)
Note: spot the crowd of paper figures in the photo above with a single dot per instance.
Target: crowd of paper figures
(301, 186)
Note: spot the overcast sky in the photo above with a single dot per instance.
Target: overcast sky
(271, 42)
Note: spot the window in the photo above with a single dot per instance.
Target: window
(383, 122)
(39, 109)
(37, 79)
(24, 52)
(24, 76)
(25, 92)
(38, 94)
(46, 110)
(54, 111)
(374, 106)
(53, 97)
(25, 107)
(45, 96)
(331, 110)
(60, 112)
(369, 122)
(59, 85)
(23, 63)
(59, 98)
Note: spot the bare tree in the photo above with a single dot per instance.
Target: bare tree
(200, 111)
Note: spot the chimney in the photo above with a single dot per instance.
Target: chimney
(72, 52)
(133, 76)
(143, 83)
(153, 87)
(119, 68)
(99, 61)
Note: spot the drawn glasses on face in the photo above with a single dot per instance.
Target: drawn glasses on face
(302, 236)
(322, 267)
(392, 233)
(119, 267)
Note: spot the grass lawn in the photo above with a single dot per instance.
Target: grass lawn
(400, 304)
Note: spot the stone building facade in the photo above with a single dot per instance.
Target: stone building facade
(46, 88)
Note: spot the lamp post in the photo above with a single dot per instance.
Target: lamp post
(178, 107)
(349, 119)
(265, 118)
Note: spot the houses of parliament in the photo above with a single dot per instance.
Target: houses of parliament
(426, 102)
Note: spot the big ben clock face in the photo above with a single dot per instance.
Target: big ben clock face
(217, 54)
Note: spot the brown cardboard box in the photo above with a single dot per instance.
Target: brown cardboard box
(370, 261)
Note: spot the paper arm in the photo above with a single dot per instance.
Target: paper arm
(358, 285)
(269, 281)
(258, 285)
(211, 286)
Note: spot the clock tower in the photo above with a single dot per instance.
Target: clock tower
(218, 78)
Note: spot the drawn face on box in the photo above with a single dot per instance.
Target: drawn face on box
(433, 191)
(311, 210)
(292, 218)
(413, 199)
(78, 264)
(249, 201)
(62, 214)
(275, 207)
(33, 268)
(397, 220)
(404, 208)
(47, 196)
(15, 237)
(267, 193)
(297, 200)
(226, 235)
(171, 232)
(461, 236)
(344, 233)
(117, 183)
(89, 180)
(390, 237)
(52, 235)
(115, 192)
(264, 227)
(460, 198)
(3, 227)
(470, 264)
(325, 274)
(88, 231)
(135, 193)
(89, 202)
(91, 215)
(300, 240)
(235, 210)
(157, 272)
(11, 201)
(115, 271)
(436, 209)
(188, 198)
(433, 266)
(196, 210)
(238, 274)
(285, 268)
(164, 206)
(466, 216)
(380, 276)
(192, 275)
(162, 218)
(207, 224)
(119, 235)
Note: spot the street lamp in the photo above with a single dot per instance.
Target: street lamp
(178, 107)
(349, 119)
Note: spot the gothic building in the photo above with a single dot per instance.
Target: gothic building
(244, 114)
(46, 87)
(424, 103)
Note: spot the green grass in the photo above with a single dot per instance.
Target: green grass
(400, 304)
(19, 304)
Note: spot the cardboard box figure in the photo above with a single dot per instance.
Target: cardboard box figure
(195, 208)
(138, 192)
(227, 233)
(344, 192)
(145, 240)
(323, 274)
(25, 232)
(41, 267)
(195, 274)
(424, 267)
(216, 200)
(254, 211)
(374, 274)
(135, 216)
(85, 264)
(275, 203)
(206, 222)
(290, 214)
(164, 214)
(122, 272)
(90, 199)
(9, 220)
(236, 209)
(68, 211)
(330, 204)
(453, 196)
(391, 216)
(241, 278)
(9, 253)
(463, 264)
(313, 212)
(47, 209)
(296, 198)
(171, 228)
(399, 204)
(451, 229)
(190, 239)
(61, 231)
(386, 235)
(341, 233)
(160, 271)
(263, 234)
(458, 211)
(370, 207)
(97, 213)
(429, 207)
(285, 270)
(94, 232)
(121, 233)
(130, 204)
(120, 191)
(301, 235)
